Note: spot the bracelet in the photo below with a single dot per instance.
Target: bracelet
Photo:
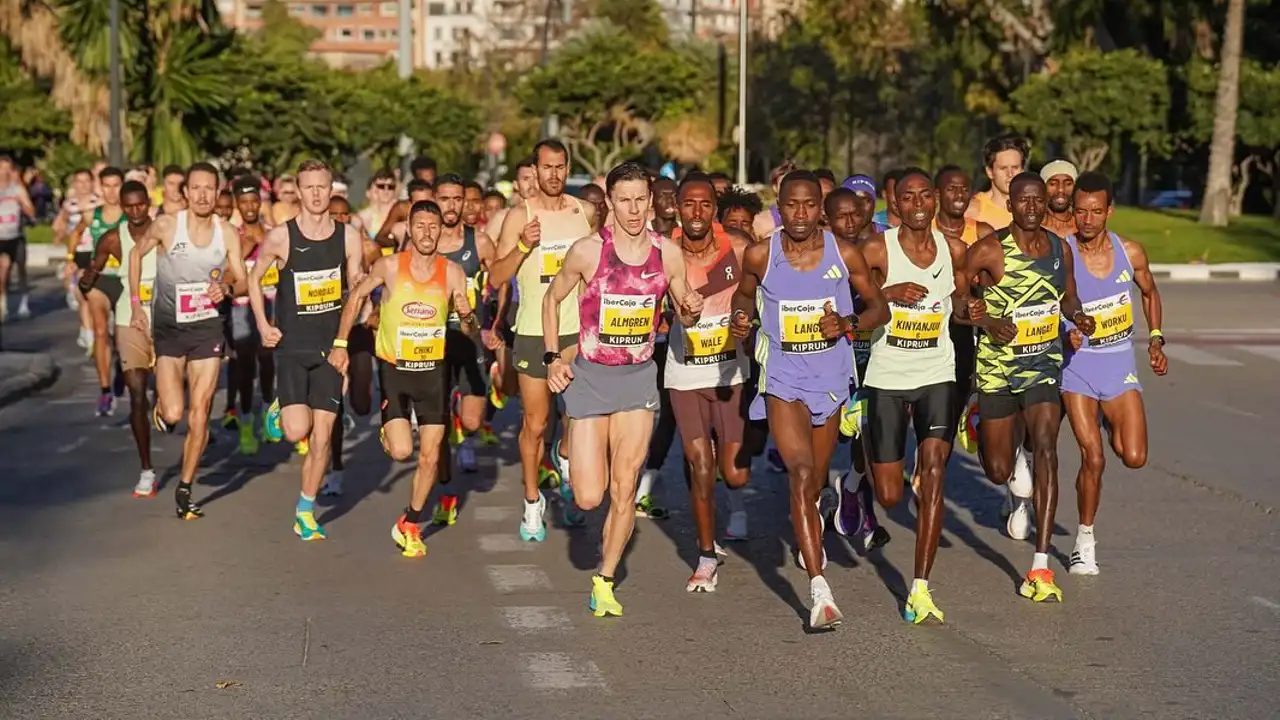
(340, 343)
(523, 248)
(1156, 334)
(135, 299)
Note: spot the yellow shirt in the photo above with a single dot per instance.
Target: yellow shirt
(411, 329)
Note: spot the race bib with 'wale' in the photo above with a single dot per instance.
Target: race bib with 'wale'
(708, 342)
(626, 320)
(800, 332)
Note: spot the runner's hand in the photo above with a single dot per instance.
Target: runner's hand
(139, 320)
(374, 319)
(492, 340)
(1003, 331)
(977, 309)
(531, 235)
(217, 292)
(1075, 339)
(339, 359)
(559, 374)
(831, 325)
(270, 335)
(740, 325)
(1159, 363)
(907, 293)
(692, 304)
(1084, 322)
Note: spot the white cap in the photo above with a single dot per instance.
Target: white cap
(1059, 167)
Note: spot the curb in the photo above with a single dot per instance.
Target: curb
(25, 374)
(1241, 272)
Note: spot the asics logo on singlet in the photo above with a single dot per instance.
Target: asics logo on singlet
(1055, 264)
(833, 273)
(1123, 277)
(418, 311)
(466, 256)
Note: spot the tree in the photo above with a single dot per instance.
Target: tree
(1092, 102)
(30, 123)
(1257, 124)
(1216, 205)
(642, 19)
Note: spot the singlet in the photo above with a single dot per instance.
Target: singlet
(10, 213)
(998, 217)
(270, 280)
(313, 282)
(968, 236)
(619, 305)
(75, 214)
(147, 281)
(1108, 300)
(1030, 294)
(914, 348)
(790, 347)
(468, 258)
(373, 219)
(560, 230)
(706, 355)
(183, 274)
(411, 327)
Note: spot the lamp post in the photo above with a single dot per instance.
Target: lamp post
(742, 92)
(405, 67)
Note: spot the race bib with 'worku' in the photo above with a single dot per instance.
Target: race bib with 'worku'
(1113, 319)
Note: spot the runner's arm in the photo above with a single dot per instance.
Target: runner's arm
(508, 255)
(24, 201)
(574, 270)
(235, 259)
(108, 245)
(59, 224)
(984, 230)
(457, 282)
(73, 238)
(149, 241)
(1071, 305)
(355, 301)
(386, 234)
(485, 249)
(875, 311)
(677, 282)
(354, 250)
(754, 260)
(1152, 307)
(960, 298)
(274, 247)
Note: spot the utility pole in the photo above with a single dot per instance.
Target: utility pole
(405, 66)
(115, 145)
(742, 92)
(693, 18)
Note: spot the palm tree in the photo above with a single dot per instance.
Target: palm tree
(1216, 207)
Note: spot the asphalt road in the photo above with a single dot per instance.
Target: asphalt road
(110, 607)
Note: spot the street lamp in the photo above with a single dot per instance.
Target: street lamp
(405, 66)
(742, 92)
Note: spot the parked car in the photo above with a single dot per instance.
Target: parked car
(1170, 199)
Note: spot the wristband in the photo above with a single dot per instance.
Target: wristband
(1157, 334)
(523, 248)
(135, 299)
(340, 343)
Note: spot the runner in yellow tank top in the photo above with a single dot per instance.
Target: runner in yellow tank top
(1003, 157)
(421, 287)
(534, 239)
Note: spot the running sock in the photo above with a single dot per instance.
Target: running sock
(708, 554)
(305, 503)
(737, 501)
(606, 578)
(106, 391)
(1040, 561)
(413, 516)
(182, 493)
(1086, 531)
(919, 584)
(646, 483)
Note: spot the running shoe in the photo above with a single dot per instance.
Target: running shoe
(73, 302)
(302, 447)
(602, 601)
(852, 414)
(1084, 560)
(704, 576)
(774, 459)
(231, 419)
(106, 405)
(737, 529)
(720, 551)
(248, 438)
(1018, 524)
(1039, 587)
(24, 309)
(647, 508)
(457, 435)
(532, 526)
(487, 437)
(272, 429)
(920, 608)
(408, 537)
(967, 433)
(466, 458)
(85, 339)
(446, 511)
(849, 517)
(146, 487)
(496, 399)
(828, 501)
(823, 615)
(573, 517)
(157, 421)
(547, 475)
(189, 511)
(332, 486)
(306, 527)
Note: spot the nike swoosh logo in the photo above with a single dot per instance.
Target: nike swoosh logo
(937, 427)
(302, 249)
(650, 406)
(935, 275)
(646, 276)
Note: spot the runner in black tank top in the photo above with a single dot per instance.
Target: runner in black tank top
(313, 283)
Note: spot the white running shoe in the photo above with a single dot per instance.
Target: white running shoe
(533, 528)
(73, 302)
(1019, 523)
(24, 310)
(737, 529)
(1022, 484)
(146, 486)
(1084, 559)
(467, 457)
(720, 551)
(704, 577)
(332, 484)
(824, 614)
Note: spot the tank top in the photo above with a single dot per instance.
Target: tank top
(10, 213)
(791, 302)
(998, 217)
(468, 258)
(98, 227)
(75, 214)
(619, 305)
(914, 349)
(968, 236)
(1108, 300)
(373, 219)
(411, 328)
(1030, 294)
(560, 230)
(706, 355)
(183, 274)
(314, 282)
(269, 280)
(147, 282)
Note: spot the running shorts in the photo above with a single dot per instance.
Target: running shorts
(134, 348)
(927, 409)
(84, 260)
(111, 286)
(1101, 376)
(1003, 403)
(424, 394)
(527, 352)
(307, 378)
(599, 390)
(200, 343)
(241, 325)
(466, 364)
(699, 412)
(360, 341)
(12, 248)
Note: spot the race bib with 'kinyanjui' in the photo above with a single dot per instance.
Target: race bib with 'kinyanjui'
(914, 327)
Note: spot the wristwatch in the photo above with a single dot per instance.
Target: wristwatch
(550, 357)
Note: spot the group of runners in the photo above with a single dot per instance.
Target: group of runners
(640, 310)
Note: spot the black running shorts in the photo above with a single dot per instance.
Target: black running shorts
(424, 393)
(466, 364)
(197, 343)
(307, 378)
(1003, 403)
(927, 409)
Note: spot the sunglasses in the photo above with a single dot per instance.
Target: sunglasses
(385, 186)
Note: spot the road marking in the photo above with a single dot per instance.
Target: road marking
(73, 445)
(1267, 351)
(1266, 603)
(506, 542)
(559, 671)
(1229, 409)
(527, 620)
(1196, 356)
(501, 513)
(518, 578)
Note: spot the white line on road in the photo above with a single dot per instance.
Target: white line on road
(1266, 351)
(1196, 356)
(1266, 603)
(517, 578)
(496, 514)
(1229, 409)
(527, 620)
(506, 542)
(73, 445)
(559, 671)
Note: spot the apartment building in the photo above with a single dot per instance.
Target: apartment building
(354, 34)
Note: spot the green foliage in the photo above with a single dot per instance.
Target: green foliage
(29, 121)
(642, 18)
(63, 158)
(1258, 117)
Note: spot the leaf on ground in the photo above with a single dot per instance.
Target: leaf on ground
(226, 684)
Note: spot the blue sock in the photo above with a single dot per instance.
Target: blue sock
(305, 504)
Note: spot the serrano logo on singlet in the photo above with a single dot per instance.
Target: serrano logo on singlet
(418, 310)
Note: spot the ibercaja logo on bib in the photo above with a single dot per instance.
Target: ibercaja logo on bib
(418, 311)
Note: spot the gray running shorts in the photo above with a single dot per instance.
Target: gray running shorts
(599, 390)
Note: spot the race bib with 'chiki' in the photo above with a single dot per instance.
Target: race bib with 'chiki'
(419, 348)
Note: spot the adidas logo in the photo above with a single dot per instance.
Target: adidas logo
(1130, 379)
(833, 273)
(1123, 277)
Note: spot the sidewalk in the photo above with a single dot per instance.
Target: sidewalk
(23, 373)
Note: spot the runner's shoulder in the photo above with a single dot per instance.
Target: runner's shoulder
(755, 257)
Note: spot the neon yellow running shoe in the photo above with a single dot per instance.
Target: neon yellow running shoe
(447, 511)
(306, 527)
(1039, 587)
(547, 475)
(457, 435)
(967, 433)
(920, 607)
(303, 447)
(248, 439)
(408, 537)
(602, 601)
(487, 436)
(851, 416)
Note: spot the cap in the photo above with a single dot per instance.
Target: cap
(860, 184)
(1059, 167)
(245, 185)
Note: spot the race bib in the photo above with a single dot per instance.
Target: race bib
(318, 291)
(914, 327)
(472, 289)
(387, 251)
(146, 291)
(193, 303)
(419, 348)
(551, 257)
(86, 242)
(1113, 317)
(708, 342)
(1037, 329)
(862, 341)
(626, 320)
(800, 332)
